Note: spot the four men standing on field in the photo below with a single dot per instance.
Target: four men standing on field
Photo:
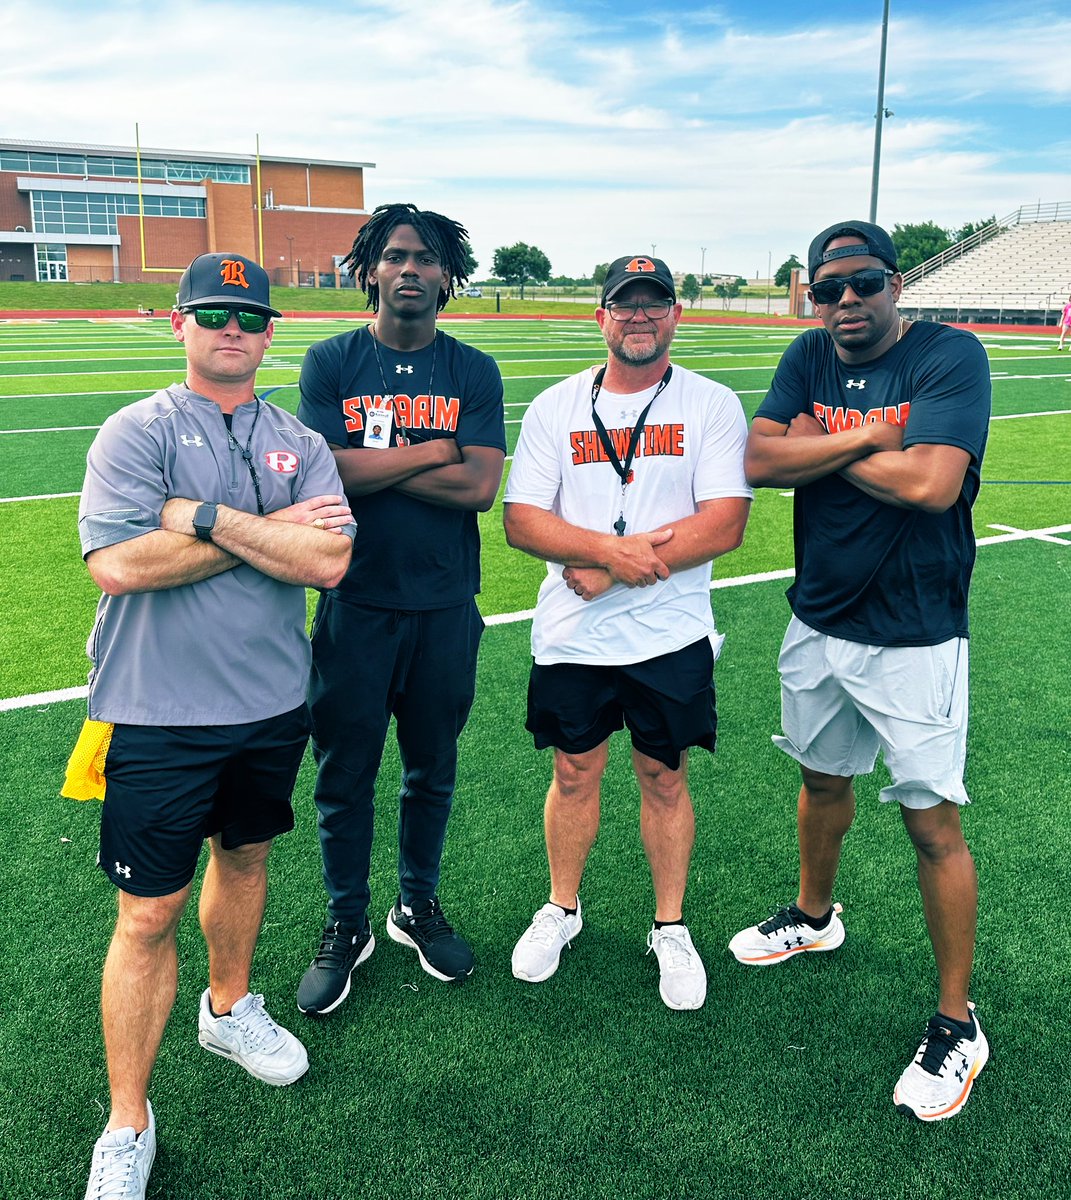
(629, 480)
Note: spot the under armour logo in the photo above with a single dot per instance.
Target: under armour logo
(856, 383)
(797, 941)
(233, 272)
(629, 414)
(192, 441)
(400, 370)
(121, 870)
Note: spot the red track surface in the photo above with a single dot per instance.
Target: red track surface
(690, 319)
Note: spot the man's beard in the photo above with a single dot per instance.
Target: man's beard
(637, 356)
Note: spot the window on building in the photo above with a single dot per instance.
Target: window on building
(122, 167)
(96, 212)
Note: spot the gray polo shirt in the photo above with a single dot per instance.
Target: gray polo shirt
(227, 650)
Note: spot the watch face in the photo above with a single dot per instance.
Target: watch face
(204, 518)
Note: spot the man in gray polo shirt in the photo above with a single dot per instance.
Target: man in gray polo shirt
(205, 514)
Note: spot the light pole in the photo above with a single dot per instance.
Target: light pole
(702, 272)
(878, 117)
(290, 240)
(769, 269)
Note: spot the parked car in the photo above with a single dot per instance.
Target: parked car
(474, 292)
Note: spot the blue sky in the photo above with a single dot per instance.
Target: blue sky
(590, 129)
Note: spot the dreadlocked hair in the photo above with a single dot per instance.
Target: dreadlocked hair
(439, 233)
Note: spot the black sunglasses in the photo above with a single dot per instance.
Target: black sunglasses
(217, 318)
(863, 283)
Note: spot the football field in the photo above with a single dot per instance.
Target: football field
(585, 1086)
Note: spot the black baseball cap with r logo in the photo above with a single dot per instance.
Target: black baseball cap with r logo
(225, 279)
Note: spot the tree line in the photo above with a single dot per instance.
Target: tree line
(914, 243)
(520, 265)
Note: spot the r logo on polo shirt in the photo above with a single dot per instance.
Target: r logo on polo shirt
(282, 461)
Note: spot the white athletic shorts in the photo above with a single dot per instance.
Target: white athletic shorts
(842, 702)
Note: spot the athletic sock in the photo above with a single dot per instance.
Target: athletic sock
(569, 912)
(813, 922)
(662, 924)
(969, 1029)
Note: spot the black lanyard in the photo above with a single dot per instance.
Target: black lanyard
(623, 469)
(247, 454)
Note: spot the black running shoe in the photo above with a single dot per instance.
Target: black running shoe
(326, 983)
(442, 952)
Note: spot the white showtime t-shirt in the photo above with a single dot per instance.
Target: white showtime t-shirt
(692, 449)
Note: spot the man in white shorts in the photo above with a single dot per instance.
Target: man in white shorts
(879, 424)
(629, 480)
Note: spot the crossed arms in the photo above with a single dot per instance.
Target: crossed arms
(927, 476)
(438, 471)
(595, 561)
(284, 544)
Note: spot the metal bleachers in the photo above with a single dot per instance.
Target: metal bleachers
(1015, 271)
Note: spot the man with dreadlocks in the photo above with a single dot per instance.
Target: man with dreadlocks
(415, 420)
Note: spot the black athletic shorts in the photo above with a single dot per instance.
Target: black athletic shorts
(668, 704)
(171, 786)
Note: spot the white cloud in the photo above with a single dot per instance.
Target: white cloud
(588, 132)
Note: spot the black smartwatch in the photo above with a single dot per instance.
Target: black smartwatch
(204, 519)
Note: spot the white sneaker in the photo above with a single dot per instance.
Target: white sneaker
(536, 955)
(122, 1161)
(785, 933)
(683, 981)
(936, 1084)
(251, 1038)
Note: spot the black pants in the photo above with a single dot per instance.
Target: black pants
(370, 664)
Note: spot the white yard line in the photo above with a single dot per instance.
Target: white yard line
(50, 429)
(47, 496)
(39, 699)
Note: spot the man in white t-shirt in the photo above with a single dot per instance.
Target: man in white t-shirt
(629, 480)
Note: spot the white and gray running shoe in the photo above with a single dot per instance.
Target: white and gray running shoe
(122, 1160)
(682, 978)
(250, 1037)
(539, 950)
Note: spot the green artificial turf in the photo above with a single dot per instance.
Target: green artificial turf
(585, 1087)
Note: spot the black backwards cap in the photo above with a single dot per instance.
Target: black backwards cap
(634, 267)
(225, 279)
(878, 244)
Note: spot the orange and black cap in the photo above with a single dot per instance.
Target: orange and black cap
(225, 279)
(635, 268)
